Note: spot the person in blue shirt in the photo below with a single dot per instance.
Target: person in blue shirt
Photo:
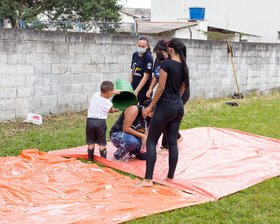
(141, 69)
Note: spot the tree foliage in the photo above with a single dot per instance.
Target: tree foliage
(60, 10)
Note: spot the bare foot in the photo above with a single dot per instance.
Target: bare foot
(169, 179)
(179, 140)
(144, 183)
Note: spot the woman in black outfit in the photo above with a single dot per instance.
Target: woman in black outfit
(174, 78)
(161, 52)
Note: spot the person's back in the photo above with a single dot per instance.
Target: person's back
(124, 140)
(171, 97)
(139, 124)
(128, 133)
(99, 106)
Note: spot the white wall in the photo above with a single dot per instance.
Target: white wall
(253, 17)
(54, 72)
(167, 10)
(193, 32)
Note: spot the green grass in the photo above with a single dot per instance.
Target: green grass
(255, 114)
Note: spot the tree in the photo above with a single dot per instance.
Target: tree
(62, 10)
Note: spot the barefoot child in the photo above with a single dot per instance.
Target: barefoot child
(98, 110)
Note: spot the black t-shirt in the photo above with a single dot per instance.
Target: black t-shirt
(140, 124)
(170, 97)
(156, 70)
(139, 65)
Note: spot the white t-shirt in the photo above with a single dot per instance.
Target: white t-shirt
(99, 106)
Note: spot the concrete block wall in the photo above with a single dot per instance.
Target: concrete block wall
(54, 72)
(257, 68)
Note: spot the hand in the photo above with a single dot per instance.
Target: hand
(136, 92)
(117, 91)
(143, 148)
(148, 94)
(146, 111)
(143, 144)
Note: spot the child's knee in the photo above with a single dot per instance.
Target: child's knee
(91, 146)
(101, 147)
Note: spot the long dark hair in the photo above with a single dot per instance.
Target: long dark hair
(180, 48)
(147, 40)
(161, 45)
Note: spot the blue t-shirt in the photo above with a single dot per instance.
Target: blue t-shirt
(156, 69)
(139, 65)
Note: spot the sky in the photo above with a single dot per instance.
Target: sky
(136, 3)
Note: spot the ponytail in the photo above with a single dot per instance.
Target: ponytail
(180, 48)
(149, 49)
(183, 53)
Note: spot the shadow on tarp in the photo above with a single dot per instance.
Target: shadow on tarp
(38, 187)
(213, 162)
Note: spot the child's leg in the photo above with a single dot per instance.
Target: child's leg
(91, 137)
(101, 137)
(90, 152)
(103, 151)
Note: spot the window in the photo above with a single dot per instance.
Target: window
(278, 34)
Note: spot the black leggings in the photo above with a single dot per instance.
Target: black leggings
(185, 97)
(170, 120)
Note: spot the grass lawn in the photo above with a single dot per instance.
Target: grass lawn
(255, 114)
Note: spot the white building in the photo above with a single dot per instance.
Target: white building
(260, 18)
(138, 19)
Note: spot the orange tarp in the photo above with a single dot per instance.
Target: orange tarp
(38, 187)
(213, 162)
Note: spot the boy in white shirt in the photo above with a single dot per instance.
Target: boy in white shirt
(98, 110)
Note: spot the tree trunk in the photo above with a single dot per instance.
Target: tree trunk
(13, 22)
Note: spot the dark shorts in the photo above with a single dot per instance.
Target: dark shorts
(96, 131)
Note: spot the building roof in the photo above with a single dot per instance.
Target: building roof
(160, 27)
(137, 12)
